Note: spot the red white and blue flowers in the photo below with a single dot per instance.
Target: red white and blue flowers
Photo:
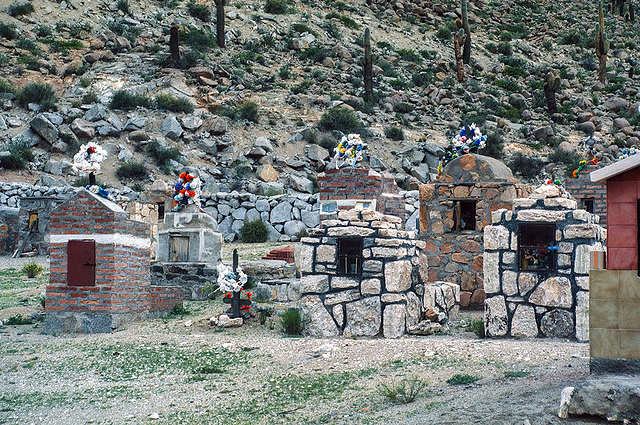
(349, 150)
(187, 191)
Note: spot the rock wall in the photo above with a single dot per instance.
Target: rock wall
(8, 230)
(522, 302)
(583, 188)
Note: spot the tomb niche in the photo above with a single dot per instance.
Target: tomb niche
(189, 249)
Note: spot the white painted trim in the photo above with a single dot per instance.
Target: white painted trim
(110, 239)
(615, 169)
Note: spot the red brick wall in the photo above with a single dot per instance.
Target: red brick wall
(583, 187)
(622, 223)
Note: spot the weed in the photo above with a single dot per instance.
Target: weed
(279, 7)
(20, 154)
(125, 100)
(249, 111)
(125, 29)
(200, 40)
(409, 55)
(179, 310)
(32, 270)
(443, 33)
(292, 322)
(199, 11)
(18, 319)
(394, 133)
(403, 107)
(8, 31)
(28, 45)
(477, 327)
(423, 77)
(516, 374)
(170, 103)
(254, 232)
(341, 119)
(504, 48)
(40, 93)
(133, 171)
(123, 6)
(20, 9)
(462, 379)
(403, 391)
(162, 155)
(346, 21)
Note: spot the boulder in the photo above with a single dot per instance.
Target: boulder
(495, 316)
(363, 317)
(320, 323)
(44, 128)
(300, 184)
(83, 128)
(267, 173)
(317, 153)
(225, 321)
(557, 324)
(171, 128)
(96, 113)
(524, 323)
(281, 213)
(295, 229)
(397, 276)
(553, 292)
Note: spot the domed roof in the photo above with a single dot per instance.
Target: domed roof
(477, 168)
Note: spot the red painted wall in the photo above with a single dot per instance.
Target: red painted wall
(623, 192)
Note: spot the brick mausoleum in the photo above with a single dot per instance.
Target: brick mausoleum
(590, 196)
(99, 261)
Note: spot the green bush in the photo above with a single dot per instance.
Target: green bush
(169, 103)
(200, 40)
(8, 31)
(125, 29)
(199, 11)
(279, 7)
(341, 119)
(20, 154)
(443, 33)
(404, 391)
(162, 155)
(123, 6)
(291, 322)
(56, 45)
(28, 45)
(403, 107)
(20, 9)
(40, 93)
(315, 54)
(462, 379)
(505, 48)
(346, 21)
(477, 327)
(254, 232)
(493, 145)
(526, 166)
(570, 159)
(249, 111)
(18, 320)
(32, 270)
(133, 171)
(5, 87)
(123, 99)
(394, 133)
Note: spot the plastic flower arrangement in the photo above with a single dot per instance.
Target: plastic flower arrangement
(626, 153)
(89, 159)
(229, 281)
(100, 191)
(187, 191)
(349, 150)
(468, 139)
(583, 164)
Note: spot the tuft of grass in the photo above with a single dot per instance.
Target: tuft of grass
(170, 103)
(28, 45)
(125, 100)
(292, 322)
(133, 171)
(200, 40)
(462, 379)
(403, 391)
(477, 327)
(346, 21)
(254, 232)
(57, 45)
(199, 11)
(40, 93)
(18, 319)
(527, 166)
(20, 154)
(279, 7)
(20, 9)
(32, 270)
(179, 310)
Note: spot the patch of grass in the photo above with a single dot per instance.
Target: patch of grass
(8, 31)
(199, 11)
(443, 33)
(403, 391)
(122, 27)
(57, 45)
(126, 101)
(341, 119)
(179, 310)
(285, 72)
(409, 55)
(346, 21)
(394, 133)
(302, 87)
(423, 77)
(293, 388)
(18, 319)
(462, 379)
(40, 93)
(133, 170)
(477, 327)
(292, 322)
(254, 232)
(516, 374)
(162, 155)
(32, 270)
(279, 7)
(170, 103)
(20, 9)
(20, 154)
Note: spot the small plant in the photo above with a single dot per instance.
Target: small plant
(161, 154)
(444, 33)
(199, 11)
(40, 93)
(249, 111)
(20, 154)
(32, 270)
(404, 391)
(8, 31)
(90, 97)
(18, 319)
(20, 9)
(28, 45)
(133, 171)
(254, 232)
(123, 6)
(169, 103)
(394, 133)
(200, 40)
(179, 310)
(516, 374)
(285, 72)
(315, 54)
(493, 145)
(527, 166)
(477, 327)
(291, 322)
(462, 379)
(122, 99)
(279, 7)
(341, 119)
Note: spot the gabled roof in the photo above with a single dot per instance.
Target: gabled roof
(615, 169)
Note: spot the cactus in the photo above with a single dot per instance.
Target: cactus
(631, 11)
(220, 23)
(174, 49)
(551, 85)
(466, 54)
(602, 46)
(458, 41)
(368, 67)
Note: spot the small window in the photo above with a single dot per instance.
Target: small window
(537, 247)
(350, 256)
(464, 215)
(160, 211)
(587, 204)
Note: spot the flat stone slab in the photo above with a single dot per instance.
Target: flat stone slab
(612, 397)
(268, 269)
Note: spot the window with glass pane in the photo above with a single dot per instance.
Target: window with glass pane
(537, 247)
(350, 256)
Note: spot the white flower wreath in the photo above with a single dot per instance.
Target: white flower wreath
(89, 158)
(229, 281)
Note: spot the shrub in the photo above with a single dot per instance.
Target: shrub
(8, 31)
(443, 33)
(285, 72)
(423, 77)
(123, 6)
(173, 104)
(278, 7)
(249, 111)
(199, 11)
(409, 55)
(200, 40)
(254, 232)
(32, 270)
(341, 119)
(346, 21)
(403, 107)
(125, 29)
(162, 155)
(5, 87)
(303, 87)
(493, 145)
(123, 99)
(462, 379)
(18, 320)
(477, 327)
(570, 159)
(56, 45)
(505, 48)
(133, 171)
(19, 154)
(28, 45)
(526, 166)
(315, 54)
(19, 9)
(90, 97)
(404, 391)
(291, 322)
(394, 133)
(40, 93)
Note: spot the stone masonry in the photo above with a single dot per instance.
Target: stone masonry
(584, 191)
(537, 286)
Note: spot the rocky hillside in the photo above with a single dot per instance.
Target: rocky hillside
(259, 114)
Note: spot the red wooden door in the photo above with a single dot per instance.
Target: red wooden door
(81, 263)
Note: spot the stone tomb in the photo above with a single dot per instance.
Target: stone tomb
(37, 209)
(99, 262)
(363, 276)
(536, 267)
(189, 249)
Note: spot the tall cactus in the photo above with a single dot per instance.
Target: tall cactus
(367, 71)
(174, 48)
(631, 11)
(458, 41)
(220, 23)
(551, 85)
(466, 54)
(602, 46)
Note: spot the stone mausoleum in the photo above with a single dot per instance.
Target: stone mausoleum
(536, 267)
(453, 214)
(99, 261)
(362, 275)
